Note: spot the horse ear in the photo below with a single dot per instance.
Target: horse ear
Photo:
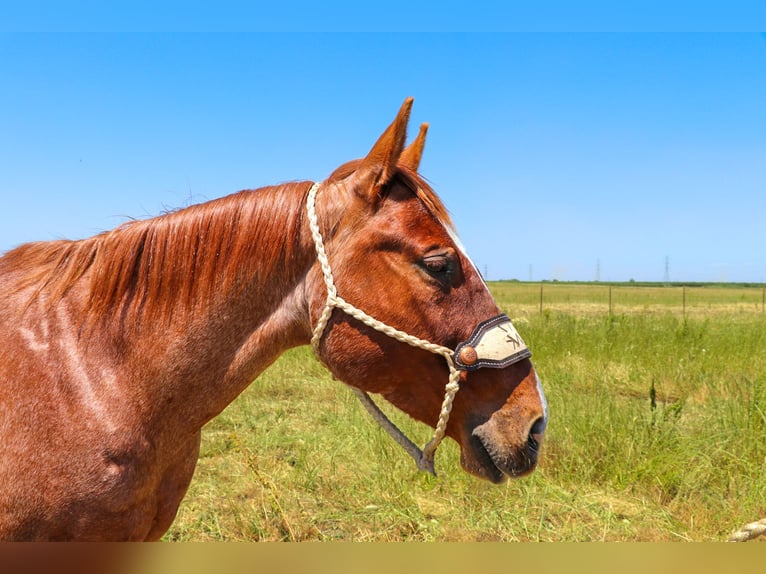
(379, 165)
(410, 157)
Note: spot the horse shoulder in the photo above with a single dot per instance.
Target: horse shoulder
(81, 460)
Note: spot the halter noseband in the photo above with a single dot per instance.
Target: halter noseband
(494, 343)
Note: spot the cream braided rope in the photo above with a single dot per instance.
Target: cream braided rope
(423, 458)
(749, 531)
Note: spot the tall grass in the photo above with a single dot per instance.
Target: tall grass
(657, 432)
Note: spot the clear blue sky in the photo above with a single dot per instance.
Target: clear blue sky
(557, 154)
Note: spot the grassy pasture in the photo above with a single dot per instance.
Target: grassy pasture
(657, 433)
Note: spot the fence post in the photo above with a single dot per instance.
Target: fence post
(610, 300)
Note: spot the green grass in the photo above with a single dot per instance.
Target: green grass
(657, 432)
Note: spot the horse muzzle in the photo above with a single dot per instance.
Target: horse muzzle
(508, 443)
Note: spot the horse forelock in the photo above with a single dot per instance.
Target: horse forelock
(155, 266)
(412, 180)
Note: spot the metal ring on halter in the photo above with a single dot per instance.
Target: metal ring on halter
(494, 343)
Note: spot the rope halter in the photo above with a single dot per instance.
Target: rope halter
(494, 343)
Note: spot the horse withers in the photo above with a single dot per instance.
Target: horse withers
(115, 350)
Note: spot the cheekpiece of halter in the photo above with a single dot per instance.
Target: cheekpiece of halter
(495, 344)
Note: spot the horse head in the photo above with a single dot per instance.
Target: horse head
(392, 252)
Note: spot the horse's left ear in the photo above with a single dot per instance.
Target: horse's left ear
(410, 157)
(379, 166)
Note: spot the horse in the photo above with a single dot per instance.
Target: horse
(116, 349)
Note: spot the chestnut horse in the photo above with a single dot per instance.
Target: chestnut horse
(116, 350)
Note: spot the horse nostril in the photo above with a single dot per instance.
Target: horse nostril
(538, 427)
(536, 433)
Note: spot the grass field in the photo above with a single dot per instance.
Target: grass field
(657, 433)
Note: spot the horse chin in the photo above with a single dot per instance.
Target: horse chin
(484, 458)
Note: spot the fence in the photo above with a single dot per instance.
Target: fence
(598, 298)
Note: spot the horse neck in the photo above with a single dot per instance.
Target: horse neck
(226, 307)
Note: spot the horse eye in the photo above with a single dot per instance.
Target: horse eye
(437, 264)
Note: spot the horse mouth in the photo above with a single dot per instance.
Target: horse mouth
(497, 464)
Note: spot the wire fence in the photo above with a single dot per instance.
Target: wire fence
(605, 299)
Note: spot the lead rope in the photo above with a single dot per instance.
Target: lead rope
(749, 531)
(423, 458)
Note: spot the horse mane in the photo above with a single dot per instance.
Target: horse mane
(150, 267)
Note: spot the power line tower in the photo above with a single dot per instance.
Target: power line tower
(667, 270)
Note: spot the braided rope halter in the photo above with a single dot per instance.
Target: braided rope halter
(423, 458)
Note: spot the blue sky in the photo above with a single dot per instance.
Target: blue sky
(556, 153)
